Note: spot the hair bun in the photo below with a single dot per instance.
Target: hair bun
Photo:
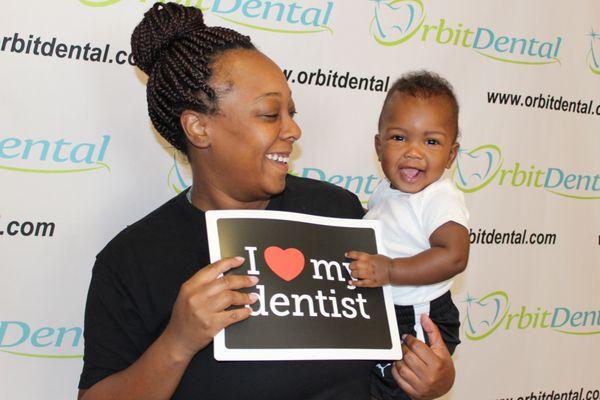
(162, 24)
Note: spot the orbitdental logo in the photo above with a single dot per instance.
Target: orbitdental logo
(58, 156)
(308, 16)
(593, 56)
(19, 338)
(362, 186)
(397, 21)
(179, 176)
(482, 166)
(493, 312)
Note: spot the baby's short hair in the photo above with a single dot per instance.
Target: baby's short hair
(422, 84)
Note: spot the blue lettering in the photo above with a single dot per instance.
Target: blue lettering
(336, 179)
(575, 318)
(4, 145)
(217, 3)
(545, 50)
(4, 328)
(311, 21)
(555, 317)
(328, 12)
(59, 144)
(77, 332)
(549, 176)
(251, 5)
(30, 143)
(501, 41)
(293, 8)
(88, 152)
(320, 174)
(478, 36)
(280, 12)
(105, 141)
(41, 333)
(571, 178)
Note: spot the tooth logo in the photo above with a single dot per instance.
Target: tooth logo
(179, 176)
(396, 21)
(594, 53)
(476, 168)
(485, 315)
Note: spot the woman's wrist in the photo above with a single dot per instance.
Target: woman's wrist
(176, 350)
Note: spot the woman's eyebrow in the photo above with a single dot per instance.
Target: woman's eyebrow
(262, 96)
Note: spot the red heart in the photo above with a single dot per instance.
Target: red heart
(287, 264)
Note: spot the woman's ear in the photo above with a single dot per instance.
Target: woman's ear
(194, 126)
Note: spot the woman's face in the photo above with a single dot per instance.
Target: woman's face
(252, 134)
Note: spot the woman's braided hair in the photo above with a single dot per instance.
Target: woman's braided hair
(177, 50)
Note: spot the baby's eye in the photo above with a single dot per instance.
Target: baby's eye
(432, 141)
(398, 138)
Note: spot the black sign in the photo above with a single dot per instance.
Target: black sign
(306, 307)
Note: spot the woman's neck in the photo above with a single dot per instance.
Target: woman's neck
(207, 197)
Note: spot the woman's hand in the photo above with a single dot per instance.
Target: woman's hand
(200, 311)
(425, 372)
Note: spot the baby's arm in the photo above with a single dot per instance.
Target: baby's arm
(446, 258)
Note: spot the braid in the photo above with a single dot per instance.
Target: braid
(177, 50)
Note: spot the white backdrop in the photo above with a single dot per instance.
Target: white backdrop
(79, 161)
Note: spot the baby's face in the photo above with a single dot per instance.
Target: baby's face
(416, 140)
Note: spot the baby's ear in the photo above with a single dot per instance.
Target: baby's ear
(194, 126)
(378, 146)
(452, 156)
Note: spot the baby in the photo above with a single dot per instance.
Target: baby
(424, 218)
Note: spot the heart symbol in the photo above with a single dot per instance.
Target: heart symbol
(286, 264)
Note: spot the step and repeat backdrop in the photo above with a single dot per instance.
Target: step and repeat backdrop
(79, 161)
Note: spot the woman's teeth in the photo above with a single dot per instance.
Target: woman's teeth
(278, 158)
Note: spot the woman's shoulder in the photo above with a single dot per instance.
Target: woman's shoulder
(160, 227)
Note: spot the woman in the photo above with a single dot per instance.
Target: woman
(152, 310)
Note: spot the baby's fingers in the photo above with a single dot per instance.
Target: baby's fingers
(356, 255)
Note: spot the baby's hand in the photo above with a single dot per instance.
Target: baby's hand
(371, 270)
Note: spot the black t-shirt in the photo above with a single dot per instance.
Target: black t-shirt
(135, 282)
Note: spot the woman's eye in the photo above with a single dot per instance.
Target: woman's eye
(271, 116)
(293, 113)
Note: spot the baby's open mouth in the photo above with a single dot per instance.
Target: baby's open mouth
(410, 174)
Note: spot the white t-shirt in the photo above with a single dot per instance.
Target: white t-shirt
(408, 220)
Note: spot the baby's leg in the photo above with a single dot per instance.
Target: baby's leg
(383, 385)
(444, 314)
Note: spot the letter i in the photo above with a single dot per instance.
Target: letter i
(334, 306)
(457, 34)
(252, 270)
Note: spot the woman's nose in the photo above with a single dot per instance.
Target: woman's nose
(291, 131)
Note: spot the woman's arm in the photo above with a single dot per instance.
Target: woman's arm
(198, 315)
